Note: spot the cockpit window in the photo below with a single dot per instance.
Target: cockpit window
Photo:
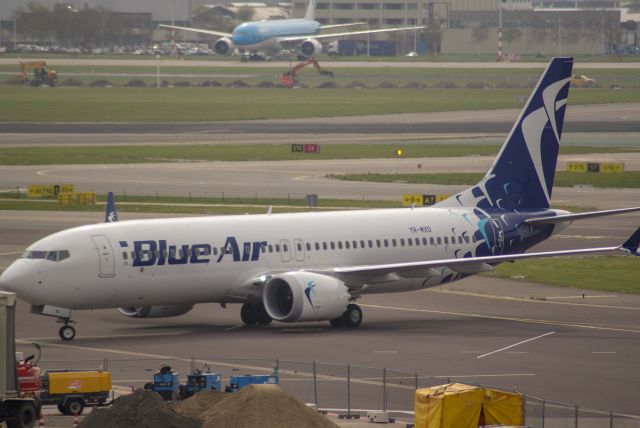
(54, 256)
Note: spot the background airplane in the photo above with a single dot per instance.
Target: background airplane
(276, 34)
(313, 266)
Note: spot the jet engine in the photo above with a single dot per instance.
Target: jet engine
(305, 296)
(310, 47)
(154, 311)
(223, 46)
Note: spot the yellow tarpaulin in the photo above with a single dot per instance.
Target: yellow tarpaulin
(463, 406)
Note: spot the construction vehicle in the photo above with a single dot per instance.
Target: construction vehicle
(166, 383)
(72, 391)
(16, 411)
(289, 79)
(239, 382)
(41, 74)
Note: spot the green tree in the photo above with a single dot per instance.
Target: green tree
(245, 14)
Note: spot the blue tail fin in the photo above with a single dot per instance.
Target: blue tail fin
(632, 245)
(111, 214)
(521, 176)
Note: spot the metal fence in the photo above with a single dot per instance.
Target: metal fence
(345, 389)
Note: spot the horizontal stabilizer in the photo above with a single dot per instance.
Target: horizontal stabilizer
(579, 216)
(632, 244)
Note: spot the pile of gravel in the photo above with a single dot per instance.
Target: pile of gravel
(100, 84)
(328, 85)
(387, 85)
(182, 84)
(237, 84)
(415, 85)
(196, 405)
(71, 82)
(142, 409)
(266, 85)
(210, 84)
(356, 85)
(135, 83)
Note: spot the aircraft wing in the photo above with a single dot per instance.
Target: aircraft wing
(350, 33)
(579, 216)
(197, 30)
(350, 24)
(479, 264)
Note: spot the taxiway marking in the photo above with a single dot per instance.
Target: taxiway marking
(515, 344)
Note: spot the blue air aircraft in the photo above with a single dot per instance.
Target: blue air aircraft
(314, 266)
(273, 35)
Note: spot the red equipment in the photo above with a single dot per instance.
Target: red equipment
(289, 79)
(29, 381)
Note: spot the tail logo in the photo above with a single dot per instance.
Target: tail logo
(112, 217)
(534, 124)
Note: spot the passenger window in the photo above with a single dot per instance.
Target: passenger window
(466, 238)
(333, 245)
(308, 246)
(439, 241)
(378, 243)
(355, 244)
(263, 249)
(285, 248)
(409, 242)
(346, 244)
(386, 243)
(125, 255)
(402, 242)
(340, 245)
(362, 244)
(453, 239)
(424, 241)
(370, 243)
(318, 246)
(459, 239)
(394, 242)
(270, 248)
(324, 246)
(446, 240)
(417, 241)
(277, 248)
(299, 246)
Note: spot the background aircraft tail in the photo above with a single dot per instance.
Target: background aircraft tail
(111, 214)
(311, 11)
(522, 174)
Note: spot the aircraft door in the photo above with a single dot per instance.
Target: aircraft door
(107, 263)
(285, 250)
(298, 248)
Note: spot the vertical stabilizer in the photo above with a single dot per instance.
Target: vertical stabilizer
(111, 214)
(522, 174)
(311, 11)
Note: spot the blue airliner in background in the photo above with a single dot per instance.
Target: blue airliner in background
(276, 34)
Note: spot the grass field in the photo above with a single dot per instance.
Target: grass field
(257, 152)
(26, 104)
(627, 179)
(615, 274)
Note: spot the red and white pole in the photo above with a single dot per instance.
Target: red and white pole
(41, 421)
(76, 422)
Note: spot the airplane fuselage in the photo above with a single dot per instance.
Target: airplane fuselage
(219, 259)
(266, 34)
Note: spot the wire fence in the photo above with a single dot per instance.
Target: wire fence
(348, 390)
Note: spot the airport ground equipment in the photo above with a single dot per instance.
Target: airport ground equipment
(72, 391)
(16, 411)
(239, 382)
(199, 380)
(289, 78)
(166, 383)
(41, 74)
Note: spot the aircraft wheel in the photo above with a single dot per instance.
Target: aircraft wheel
(353, 316)
(260, 314)
(246, 314)
(67, 332)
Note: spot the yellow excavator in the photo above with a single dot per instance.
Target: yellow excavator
(41, 74)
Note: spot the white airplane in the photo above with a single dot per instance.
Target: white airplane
(274, 34)
(313, 266)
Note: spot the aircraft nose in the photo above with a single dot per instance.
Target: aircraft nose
(17, 278)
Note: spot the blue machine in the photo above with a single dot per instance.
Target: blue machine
(199, 381)
(237, 382)
(166, 382)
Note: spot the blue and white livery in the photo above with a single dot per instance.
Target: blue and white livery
(313, 266)
(273, 35)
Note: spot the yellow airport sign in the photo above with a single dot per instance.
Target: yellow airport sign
(409, 199)
(77, 198)
(577, 166)
(612, 167)
(48, 190)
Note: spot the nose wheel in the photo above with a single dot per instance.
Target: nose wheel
(67, 332)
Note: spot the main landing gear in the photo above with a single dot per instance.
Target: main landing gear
(352, 317)
(254, 314)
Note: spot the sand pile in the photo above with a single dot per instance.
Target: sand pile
(196, 405)
(142, 409)
(264, 406)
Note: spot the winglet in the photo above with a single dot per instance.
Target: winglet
(111, 214)
(632, 246)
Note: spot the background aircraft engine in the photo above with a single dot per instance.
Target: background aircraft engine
(310, 47)
(223, 46)
(305, 296)
(155, 311)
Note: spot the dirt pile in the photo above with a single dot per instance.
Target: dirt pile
(142, 409)
(264, 406)
(196, 405)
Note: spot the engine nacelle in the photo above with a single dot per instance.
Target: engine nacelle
(305, 296)
(310, 47)
(223, 46)
(154, 311)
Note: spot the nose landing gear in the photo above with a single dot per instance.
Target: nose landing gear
(67, 332)
(63, 315)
